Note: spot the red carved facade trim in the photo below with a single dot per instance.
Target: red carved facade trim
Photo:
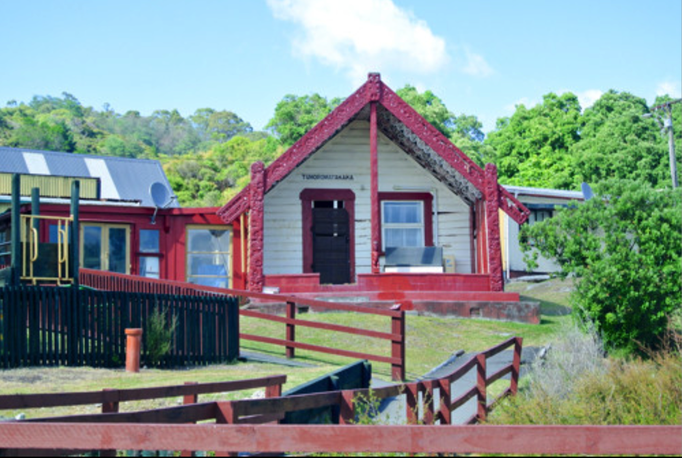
(256, 225)
(512, 207)
(237, 206)
(432, 137)
(492, 205)
(374, 187)
(307, 197)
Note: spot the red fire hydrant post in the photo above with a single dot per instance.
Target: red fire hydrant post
(133, 343)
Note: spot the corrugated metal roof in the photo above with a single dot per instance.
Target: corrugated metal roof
(525, 190)
(121, 178)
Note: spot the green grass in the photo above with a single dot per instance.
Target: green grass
(430, 340)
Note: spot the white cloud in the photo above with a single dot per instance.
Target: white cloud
(671, 88)
(475, 64)
(359, 36)
(588, 97)
(525, 101)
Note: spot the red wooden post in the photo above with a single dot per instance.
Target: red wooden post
(347, 410)
(445, 402)
(226, 414)
(291, 328)
(273, 391)
(398, 347)
(516, 365)
(109, 407)
(256, 226)
(133, 344)
(411, 398)
(481, 384)
(428, 402)
(492, 205)
(189, 399)
(374, 187)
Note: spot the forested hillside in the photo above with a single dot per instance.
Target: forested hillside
(207, 155)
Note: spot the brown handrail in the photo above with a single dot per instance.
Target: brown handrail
(32, 401)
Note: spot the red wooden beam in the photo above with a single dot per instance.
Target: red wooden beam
(374, 187)
(481, 439)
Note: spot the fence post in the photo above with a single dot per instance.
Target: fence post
(273, 391)
(189, 399)
(481, 387)
(109, 407)
(516, 365)
(347, 408)
(226, 414)
(411, 398)
(429, 402)
(398, 347)
(291, 328)
(445, 401)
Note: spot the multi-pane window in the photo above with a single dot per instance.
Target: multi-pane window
(208, 256)
(149, 249)
(402, 223)
(105, 247)
(537, 216)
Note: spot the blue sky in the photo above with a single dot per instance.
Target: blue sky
(480, 58)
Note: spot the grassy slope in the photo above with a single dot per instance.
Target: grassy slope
(430, 340)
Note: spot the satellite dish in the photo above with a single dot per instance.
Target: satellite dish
(161, 196)
(587, 191)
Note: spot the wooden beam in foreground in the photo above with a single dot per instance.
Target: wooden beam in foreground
(520, 440)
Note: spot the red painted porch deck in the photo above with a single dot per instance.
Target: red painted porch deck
(442, 294)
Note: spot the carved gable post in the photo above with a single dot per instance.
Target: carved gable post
(492, 205)
(256, 223)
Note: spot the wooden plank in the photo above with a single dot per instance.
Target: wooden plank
(490, 352)
(325, 326)
(180, 414)
(462, 399)
(28, 401)
(285, 404)
(331, 351)
(479, 439)
(499, 374)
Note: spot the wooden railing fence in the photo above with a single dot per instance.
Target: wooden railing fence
(69, 326)
(273, 439)
(119, 282)
(238, 425)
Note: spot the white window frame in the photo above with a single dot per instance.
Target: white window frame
(188, 253)
(387, 226)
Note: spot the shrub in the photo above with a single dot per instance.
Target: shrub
(624, 248)
(597, 391)
(160, 331)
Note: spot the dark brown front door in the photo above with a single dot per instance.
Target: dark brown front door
(331, 242)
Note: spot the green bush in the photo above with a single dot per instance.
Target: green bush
(629, 392)
(160, 330)
(624, 248)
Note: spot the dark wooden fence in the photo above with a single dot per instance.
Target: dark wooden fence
(396, 337)
(71, 326)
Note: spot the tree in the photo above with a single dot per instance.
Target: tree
(617, 142)
(219, 126)
(624, 248)
(465, 131)
(295, 116)
(532, 147)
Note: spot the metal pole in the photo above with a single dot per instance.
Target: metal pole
(74, 238)
(16, 229)
(671, 146)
